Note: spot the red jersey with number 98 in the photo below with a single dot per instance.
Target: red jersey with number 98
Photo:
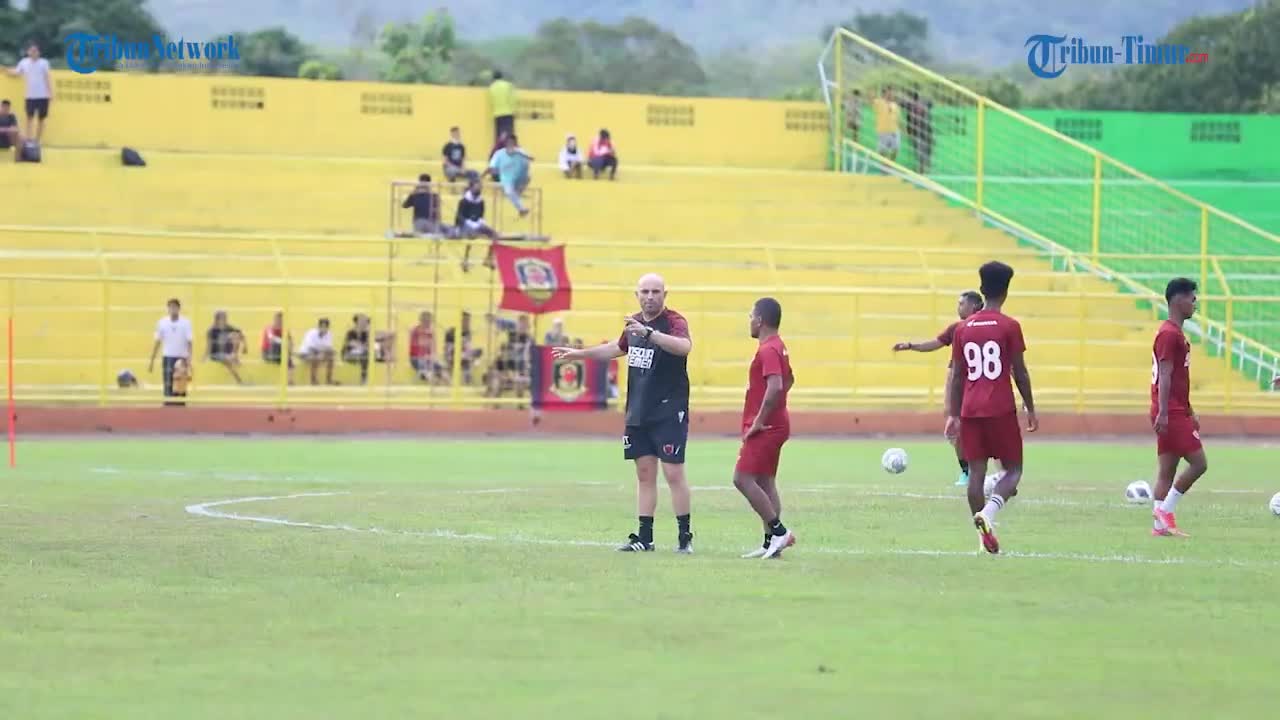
(982, 352)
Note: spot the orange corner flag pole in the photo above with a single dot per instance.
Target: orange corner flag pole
(13, 418)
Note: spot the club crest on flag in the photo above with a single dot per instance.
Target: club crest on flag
(568, 379)
(536, 278)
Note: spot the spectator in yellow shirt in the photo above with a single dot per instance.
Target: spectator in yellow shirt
(887, 114)
(502, 100)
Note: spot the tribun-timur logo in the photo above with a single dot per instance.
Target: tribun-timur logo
(88, 53)
(1048, 56)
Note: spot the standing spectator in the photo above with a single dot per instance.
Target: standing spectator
(317, 349)
(455, 155)
(426, 207)
(173, 334)
(275, 344)
(920, 130)
(224, 344)
(35, 70)
(556, 335)
(9, 135)
(887, 123)
(512, 166)
(470, 222)
(502, 100)
(603, 156)
(571, 158)
(422, 348)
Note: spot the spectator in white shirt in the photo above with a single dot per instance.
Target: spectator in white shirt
(571, 158)
(35, 70)
(173, 334)
(317, 349)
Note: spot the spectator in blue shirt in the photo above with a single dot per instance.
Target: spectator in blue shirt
(512, 168)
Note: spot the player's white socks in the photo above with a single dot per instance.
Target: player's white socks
(1171, 500)
(994, 503)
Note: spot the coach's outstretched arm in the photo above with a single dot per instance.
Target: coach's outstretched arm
(1022, 378)
(602, 352)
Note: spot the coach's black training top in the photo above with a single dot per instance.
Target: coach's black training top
(657, 381)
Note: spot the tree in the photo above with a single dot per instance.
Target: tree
(319, 70)
(420, 52)
(273, 52)
(900, 32)
(634, 56)
(47, 22)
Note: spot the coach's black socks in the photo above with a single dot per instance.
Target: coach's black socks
(777, 528)
(646, 529)
(682, 521)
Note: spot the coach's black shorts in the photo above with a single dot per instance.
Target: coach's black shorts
(665, 439)
(38, 107)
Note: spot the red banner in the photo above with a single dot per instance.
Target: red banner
(568, 384)
(534, 280)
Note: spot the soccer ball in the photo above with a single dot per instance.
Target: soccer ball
(1275, 504)
(1138, 492)
(989, 483)
(894, 460)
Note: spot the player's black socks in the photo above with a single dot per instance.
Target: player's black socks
(646, 529)
(776, 527)
(964, 466)
(683, 522)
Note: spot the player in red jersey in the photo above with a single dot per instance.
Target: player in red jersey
(1176, 424)
(969, 303)
(987, 350)
(765, 428)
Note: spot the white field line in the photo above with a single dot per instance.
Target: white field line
(206, 509)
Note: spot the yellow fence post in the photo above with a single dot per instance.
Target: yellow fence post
(1226, 350)
(1204, 249)
(286, 346)
(105, 370)
(837, 136)
(980, 150)
(455, 374)
(1095, 233)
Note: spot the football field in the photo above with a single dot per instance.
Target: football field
(339, 578)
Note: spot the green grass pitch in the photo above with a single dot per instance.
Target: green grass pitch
(476, 579)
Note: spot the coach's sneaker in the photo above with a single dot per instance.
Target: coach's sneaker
(1166, 525)
(778, 543)
(684, 543)
(635, 544)
(987, 533)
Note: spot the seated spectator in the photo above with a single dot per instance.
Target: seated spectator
(422, 349)
(455, 156)
(556, 336)
(469, 355)
(273, 341)
(512, 171)
(510, 371)
(355, 346)
(470, 223)
(9, 135)
(317, 349)
(571, 158)
(224, 344)
(498, 147)
(426, 207)
(603, 156)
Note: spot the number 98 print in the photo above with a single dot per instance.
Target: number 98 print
(983, 361)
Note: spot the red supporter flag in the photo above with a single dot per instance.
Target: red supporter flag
(534, 280)
(568, 384)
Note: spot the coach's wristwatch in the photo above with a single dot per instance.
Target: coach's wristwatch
(648, 333)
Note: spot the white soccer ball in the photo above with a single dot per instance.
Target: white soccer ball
(894, 460)
(989, 483)
(1275, 504)
(1138, 492)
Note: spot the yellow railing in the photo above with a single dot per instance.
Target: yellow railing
(837, 371)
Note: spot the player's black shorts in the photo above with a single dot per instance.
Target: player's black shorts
(665, 439)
